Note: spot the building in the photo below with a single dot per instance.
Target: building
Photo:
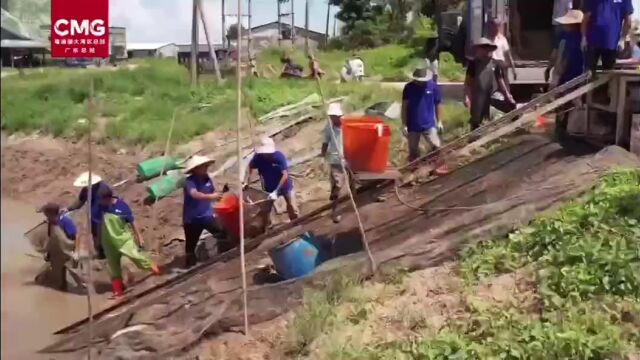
(19, 47)
(118, 43)
(152, 50)
(204, 62)
(265, 36)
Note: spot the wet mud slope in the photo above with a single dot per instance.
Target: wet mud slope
(484, 199)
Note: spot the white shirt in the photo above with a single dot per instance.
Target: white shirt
(503, 46)
(560, 8)
(357, 67)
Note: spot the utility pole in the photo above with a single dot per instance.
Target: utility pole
(334, 26)
(224, 25)
(249, 39)
(212, 53)
(279, 25)
(293, 24)
(326, 29)
(194, 44)
(306, 26)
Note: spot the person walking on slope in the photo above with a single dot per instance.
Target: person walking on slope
(605, 25)
(97, 184)
(120, 236)
(570, 62)
(274, 173)
(332, 151)
(483, 76)
(422, 113)
(197, 215)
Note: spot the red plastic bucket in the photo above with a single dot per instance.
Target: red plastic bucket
(366, 141)
(228, 213)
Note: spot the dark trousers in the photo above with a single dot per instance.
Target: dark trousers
(97, 245)
(481, 103)
(192, 234)
(607, 56)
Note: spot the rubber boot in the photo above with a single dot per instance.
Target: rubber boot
(155, 269)
(117, 286)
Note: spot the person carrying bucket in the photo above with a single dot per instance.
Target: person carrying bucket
(274, 174)
(332, 152)
(422, 113)
(197, 214)
(120, 236)
(97, 184)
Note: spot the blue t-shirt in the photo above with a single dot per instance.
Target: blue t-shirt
(197, 211)
(572, 56)
(95, 206)
(119, 208)
(271, 171)
(68, 226)
(422, 100)
(605, 23)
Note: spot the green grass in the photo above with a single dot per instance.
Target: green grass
(585, 302)
(140, 102)
(388, 63)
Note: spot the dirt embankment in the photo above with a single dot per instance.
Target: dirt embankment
(484, 199)
(37, 170)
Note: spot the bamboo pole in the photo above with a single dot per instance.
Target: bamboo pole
(240, 169)
(212, 52)
(91, 114)
(194, 44)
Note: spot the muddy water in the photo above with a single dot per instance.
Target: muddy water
(30, 313)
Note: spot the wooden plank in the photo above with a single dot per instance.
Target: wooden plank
(389, 174)
(621, 100)
(531, 117)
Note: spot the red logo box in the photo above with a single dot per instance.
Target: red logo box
(79, 28)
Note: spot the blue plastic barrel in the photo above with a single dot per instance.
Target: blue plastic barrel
(296, 258)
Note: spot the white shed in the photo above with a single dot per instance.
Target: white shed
(152, 50)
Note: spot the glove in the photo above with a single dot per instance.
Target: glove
(440, 127)
(583, 44)
(63, 210)
(75, 256)
(621, 45)
(273, 196)
(405, 132)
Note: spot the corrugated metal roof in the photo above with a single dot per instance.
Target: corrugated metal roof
(146, 46)
(24, 44)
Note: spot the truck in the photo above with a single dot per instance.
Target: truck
(529, 30)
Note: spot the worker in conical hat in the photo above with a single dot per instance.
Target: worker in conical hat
(120, 236)
(197, 216)
(82, 182)
(273, 169)
(332, 151)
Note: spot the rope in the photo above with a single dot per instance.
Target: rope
(240, 169)
(346, 175)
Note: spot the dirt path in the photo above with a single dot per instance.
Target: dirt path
(482, 200)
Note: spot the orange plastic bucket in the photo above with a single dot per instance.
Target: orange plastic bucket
(366, 141)
(228, 213)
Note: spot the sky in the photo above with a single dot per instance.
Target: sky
(170, 20)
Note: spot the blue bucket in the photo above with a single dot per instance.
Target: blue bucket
(297, 257)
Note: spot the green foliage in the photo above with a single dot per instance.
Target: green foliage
(588, 248)
(318, 312)
(139, 103)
